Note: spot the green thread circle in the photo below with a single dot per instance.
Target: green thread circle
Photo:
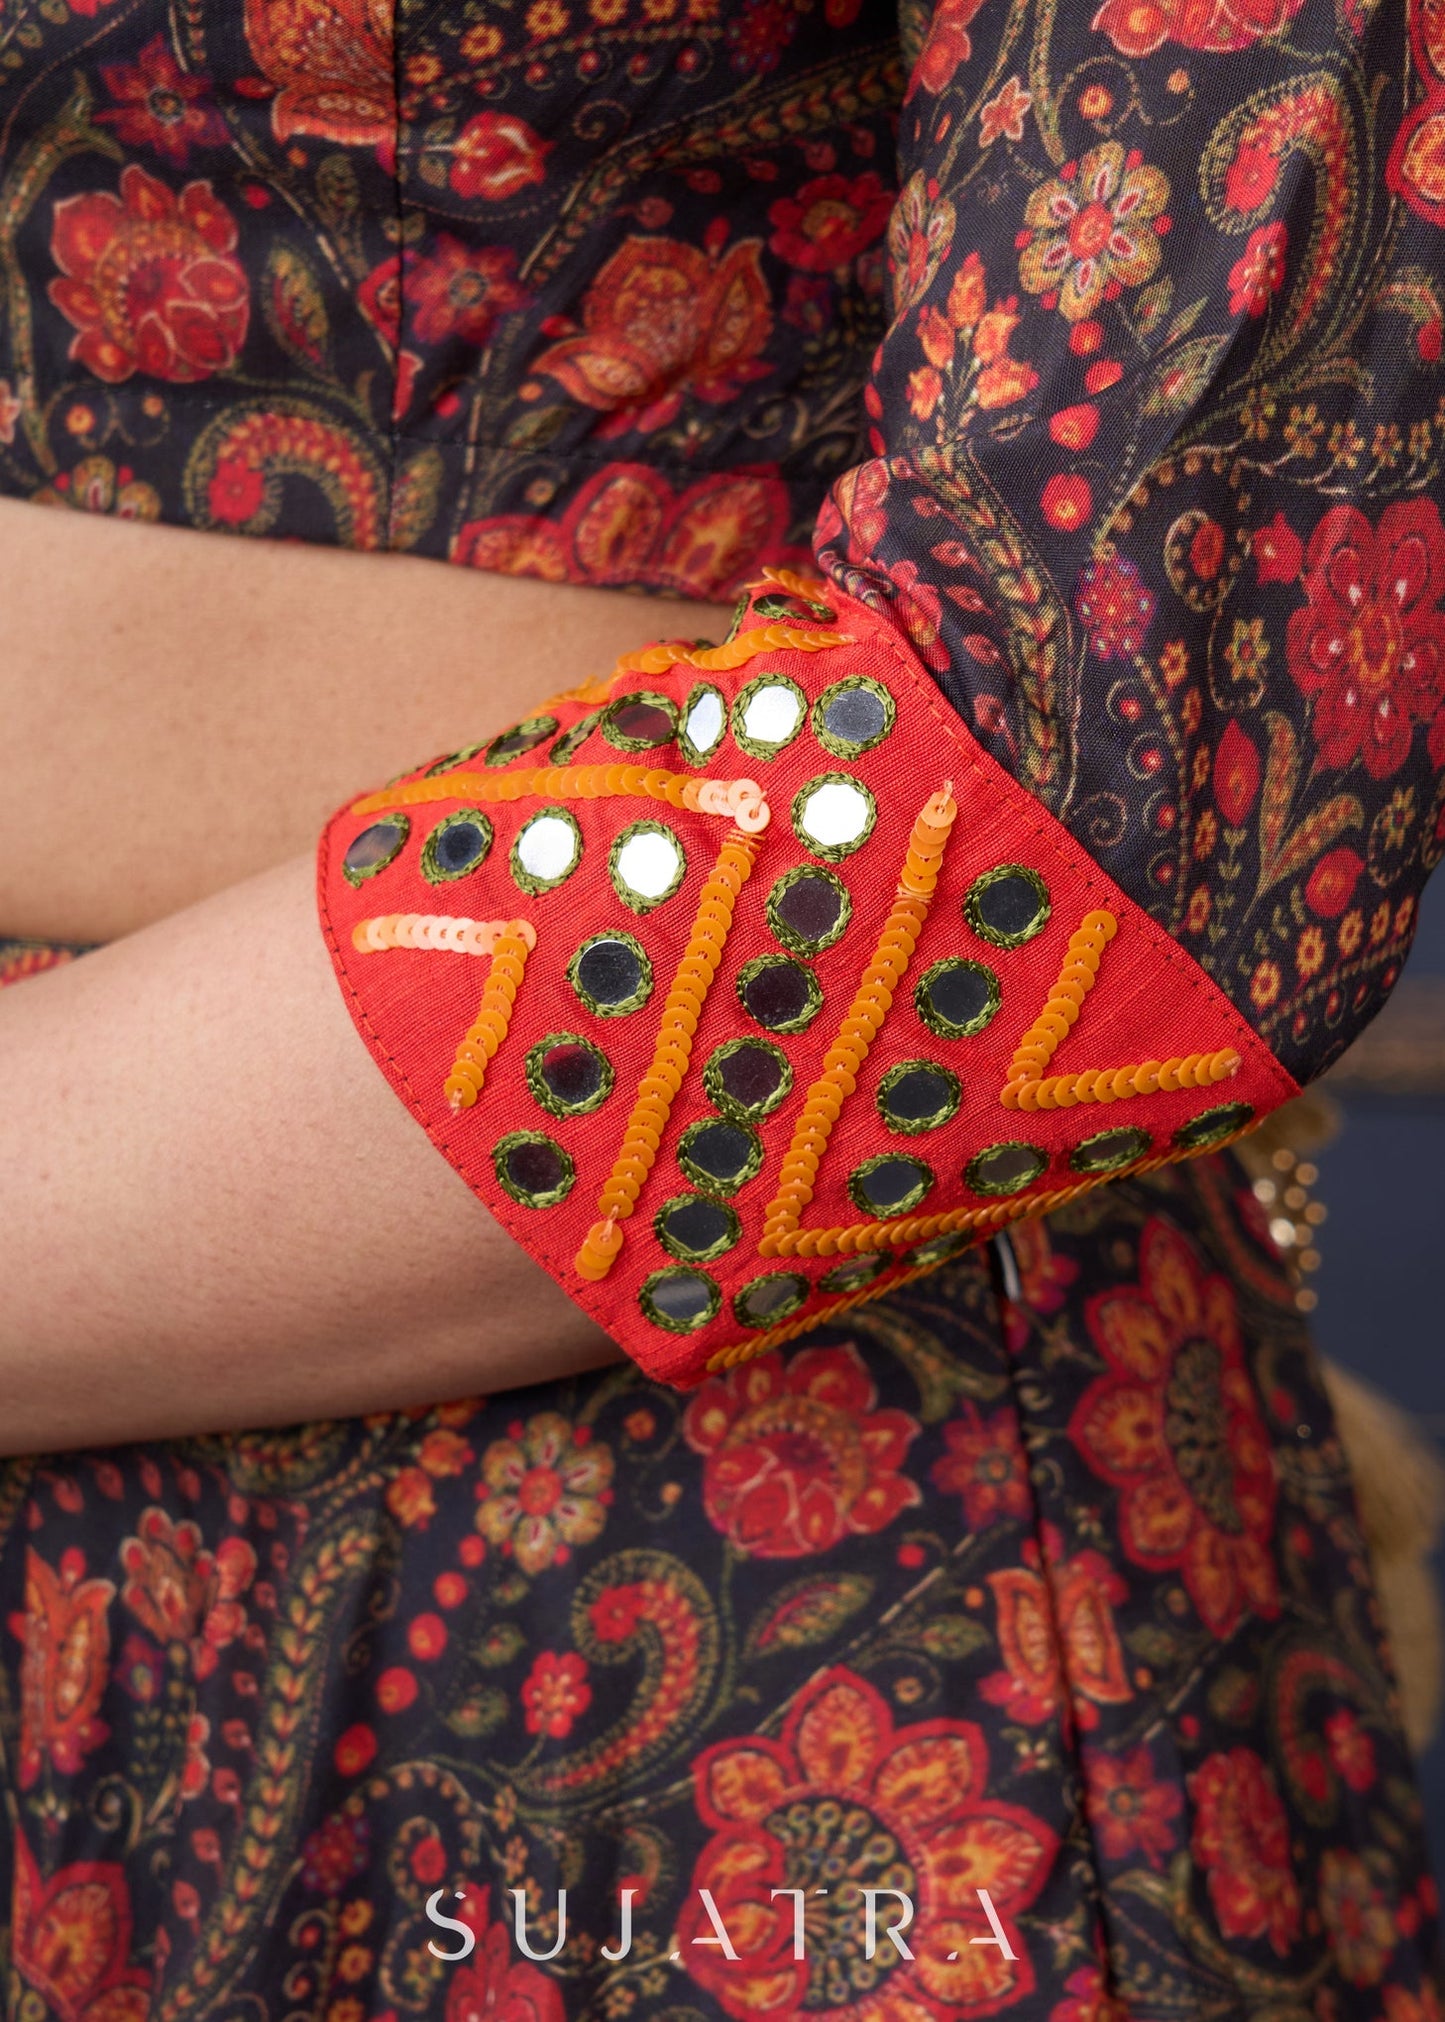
(614, 1007)
(854, 1273)
(432, 868)
(734, 1147)
(571, 741)
(511, 1168)
(932, 984)
(894, 1092)
(832, 852)
(558, 1104)
(998, 933)
(716, 1228)
(834, 701)
(374, 847)
(635, 900)
(454, 759)
(791, 936)
(1213, 1126)
(694, 751)
(768, 1300)
(520, 739)
(530, 881)
(902, 1203)
(680, 1300)
(1108, 1150)
(749, 741)
(639, 700)
(1005, 1168)
(728, 1102)
(808, 996)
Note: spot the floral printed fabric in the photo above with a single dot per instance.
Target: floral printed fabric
(1057, 1592)
(1149, 462)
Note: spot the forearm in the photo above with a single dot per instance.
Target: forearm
(181, 712)
(216, 1214)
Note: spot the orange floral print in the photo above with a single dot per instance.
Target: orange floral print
(150, 280)
(1175, 1426)
(843, 1784)
(797, 1453)
(66, 1664)
(663, 321)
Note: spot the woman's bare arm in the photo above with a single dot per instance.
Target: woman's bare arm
(214, 1213)
(180, 710)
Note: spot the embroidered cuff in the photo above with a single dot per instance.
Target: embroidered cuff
(743, 986)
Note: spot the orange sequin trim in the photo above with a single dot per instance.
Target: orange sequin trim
(741, 800)
(509, 958)
(811, 589)
(844, 1059)
(877, 1236)
(733, 652)
(1028, 1087)
(672, 1051)
(444, 931)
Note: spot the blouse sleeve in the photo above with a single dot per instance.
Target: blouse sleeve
(1075, 815)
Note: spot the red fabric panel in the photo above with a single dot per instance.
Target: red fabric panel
(412, 1006)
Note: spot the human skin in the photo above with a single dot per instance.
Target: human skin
(180, 710)
(214, 1213)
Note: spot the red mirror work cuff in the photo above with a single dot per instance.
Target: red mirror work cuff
(742, 986)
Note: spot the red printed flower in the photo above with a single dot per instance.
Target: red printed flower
(72, 1940)
(1093, 227)
(1058, 1639)
(1278, 551)
(1241, 1836)
(461, 291)
(1139, 27)
(662, 322)
(949, 44)
(494, 1985)
(839, 1778)
(543, 1490)
(1236, 774)
(1176, 1428)
(182, 1592)
(66, 1638)
(150, 280)
(1258, 274)
(830, 221)
(555, 1693)
(496, 156)
(1250, 179)
(1351, 1750)
(986, 1465)
(1332, 882)
(1131, 1810)
(797, 1456)
(1369, 644)
(158, 105)
(1114, 605)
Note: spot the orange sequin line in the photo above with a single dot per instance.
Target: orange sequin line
(733, 652)
(740, 799)
(433, 931)
(672, 1051)
(811, 589)
(1029, 1088)
(844, 1059)
(509, 958)
(878, 1236)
